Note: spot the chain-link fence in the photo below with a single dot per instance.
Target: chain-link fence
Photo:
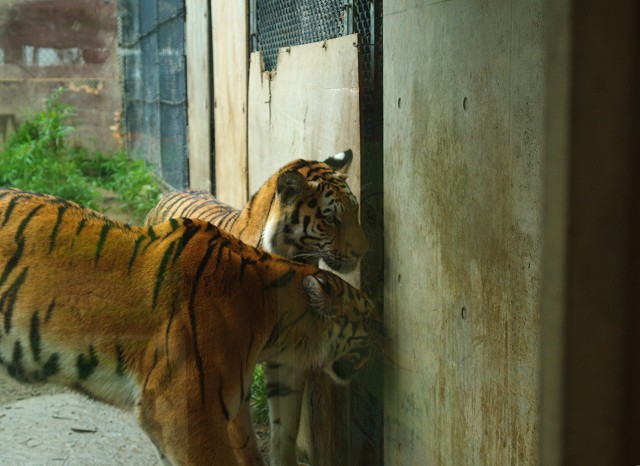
(366, 398)
(283, 23)
(366, 403)
(152, 41)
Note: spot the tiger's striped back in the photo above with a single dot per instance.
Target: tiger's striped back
(193, 204)
(169, 319)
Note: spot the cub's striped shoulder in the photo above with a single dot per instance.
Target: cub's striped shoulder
(191, 204)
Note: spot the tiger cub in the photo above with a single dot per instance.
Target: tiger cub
(305, 211)
(168, 320)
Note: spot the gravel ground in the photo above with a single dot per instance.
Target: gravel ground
(11, 391)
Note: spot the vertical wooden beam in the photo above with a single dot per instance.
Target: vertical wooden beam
(601, 331)
(198, 52)
(554, 224)
(230, 74)
(590, 332)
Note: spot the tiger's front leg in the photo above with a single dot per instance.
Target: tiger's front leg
(243, 438)
(284, 391)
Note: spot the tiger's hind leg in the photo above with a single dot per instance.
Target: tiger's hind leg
(243, 438)
(186, 427)
(185, 432)
(161, 456)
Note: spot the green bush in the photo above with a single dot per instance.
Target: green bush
(39, 157)
(259, 406)
(133, 180)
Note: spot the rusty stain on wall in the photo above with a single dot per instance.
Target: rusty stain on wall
(60, 25)
(46, 44)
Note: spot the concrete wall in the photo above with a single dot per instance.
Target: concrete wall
(64, 43)
(463, 109)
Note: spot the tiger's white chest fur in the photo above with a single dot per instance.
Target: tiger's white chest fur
(271, 240)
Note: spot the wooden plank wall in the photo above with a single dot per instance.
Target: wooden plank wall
(229, 26)
(198, 50)
(308, 108)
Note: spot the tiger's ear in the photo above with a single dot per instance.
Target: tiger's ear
(290, 185)
(341, 161)
(319, 291)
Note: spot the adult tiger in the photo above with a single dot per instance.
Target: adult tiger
(305, 211)
(168, 319)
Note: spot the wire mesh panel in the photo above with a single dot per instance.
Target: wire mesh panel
(366, 396)
(283, 23)
(154, 85)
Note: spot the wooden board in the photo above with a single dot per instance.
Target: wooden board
(308, 108)
(198, 93)
(230, 57)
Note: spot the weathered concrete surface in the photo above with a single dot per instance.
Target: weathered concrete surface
(463, 90)
(93, 80)
(70, 430)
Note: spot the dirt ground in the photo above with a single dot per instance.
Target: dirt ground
(44, 425)
(11, 391)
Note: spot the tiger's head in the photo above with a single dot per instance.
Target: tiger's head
(346, 311)
(314, 214)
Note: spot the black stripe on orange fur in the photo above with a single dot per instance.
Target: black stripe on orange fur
(34, 336)
(192, 319)
(56, 227)
(15, 368)
(86, 364)
(51, 367)
(81, 225)
(10, 297)
(134, 253)
(103, 238)
(10, 207)
(121, 365)
(223, 405)
(161, 272)
(52, 305)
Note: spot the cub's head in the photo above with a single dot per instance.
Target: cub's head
(315, 215)
(347, 310)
